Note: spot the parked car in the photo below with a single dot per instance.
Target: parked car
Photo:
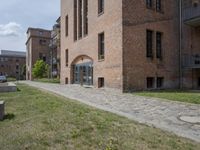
(3, 79)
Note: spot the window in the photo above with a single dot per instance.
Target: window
(149, 43)
(160, 81)
(85, 17)
(66, 26)
(100, 6)
(80, 9)
(199, 82)
(40, 32)
(150, 82)
(75, 20)
(66, 80)
(149, 3)
(159, 45)
(100, 82)
(80, 19)
(17, 67)
(158, 5)
(44, 58)
(40, 56)
(101, 46)
(42, 42)
(66, 57)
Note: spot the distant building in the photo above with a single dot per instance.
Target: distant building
(37, 46)
(55, 50)
(12, 63)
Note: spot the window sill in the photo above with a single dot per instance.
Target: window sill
(150, 8)
(149, 57)
(100, 13)
(101, 60)
(160, 11)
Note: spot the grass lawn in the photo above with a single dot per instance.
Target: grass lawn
(46, 80)
(182, 96)
(11, 79)
(38, 120)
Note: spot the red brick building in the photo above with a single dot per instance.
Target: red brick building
(12, 63)
(129, 44)
(190, 50)
(37, 45)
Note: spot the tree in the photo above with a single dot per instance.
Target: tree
(23, 72)
(40, 69)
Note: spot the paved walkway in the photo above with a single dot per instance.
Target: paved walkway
(161, 114)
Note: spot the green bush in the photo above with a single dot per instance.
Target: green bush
(40, 69)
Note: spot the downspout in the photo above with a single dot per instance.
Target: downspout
(180, 46)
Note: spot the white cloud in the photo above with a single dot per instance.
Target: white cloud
(10, 29)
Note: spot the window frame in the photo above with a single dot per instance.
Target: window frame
(159, 47)
(160, 82)
(66, 25)
(159, 9)
(101, 46)
(66, 57)
(152, 84)
(149, 4)
(101, 7)
(149, 43)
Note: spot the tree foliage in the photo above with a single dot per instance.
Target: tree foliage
(40, 69)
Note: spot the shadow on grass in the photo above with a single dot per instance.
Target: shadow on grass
(18, 90)
(9, 117)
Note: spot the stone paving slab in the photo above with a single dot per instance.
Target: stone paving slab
(162, 114)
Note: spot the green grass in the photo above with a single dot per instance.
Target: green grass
(37, 120)
(46, 80)
(182, 96)
(11, 79)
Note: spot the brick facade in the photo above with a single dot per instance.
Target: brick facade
(124, 24)
(12, 63)
(37, 48)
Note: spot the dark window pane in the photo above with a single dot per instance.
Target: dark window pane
(100, 6)
(150, 82)
(160, 81)
(149, 43)
(101, 46)
(159, 45)
(149, 3)
(158, 5)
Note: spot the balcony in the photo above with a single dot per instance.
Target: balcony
(191, 61)
(191, 15)
(53, 44)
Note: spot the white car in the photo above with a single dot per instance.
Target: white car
(3, 79)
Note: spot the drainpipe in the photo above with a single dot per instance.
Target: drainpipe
(180, 46)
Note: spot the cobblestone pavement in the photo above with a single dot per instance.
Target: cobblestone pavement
(162, 114)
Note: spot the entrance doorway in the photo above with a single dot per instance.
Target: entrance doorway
(83, 73)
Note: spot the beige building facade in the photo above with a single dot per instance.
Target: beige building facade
(126, 44)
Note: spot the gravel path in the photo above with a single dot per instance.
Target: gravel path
(162, 114)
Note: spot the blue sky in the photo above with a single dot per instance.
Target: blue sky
(18, 15)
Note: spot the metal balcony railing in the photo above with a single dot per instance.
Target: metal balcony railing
(191, 61)
(191, 15)
(53, 44)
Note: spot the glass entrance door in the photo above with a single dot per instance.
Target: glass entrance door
(83, 74)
